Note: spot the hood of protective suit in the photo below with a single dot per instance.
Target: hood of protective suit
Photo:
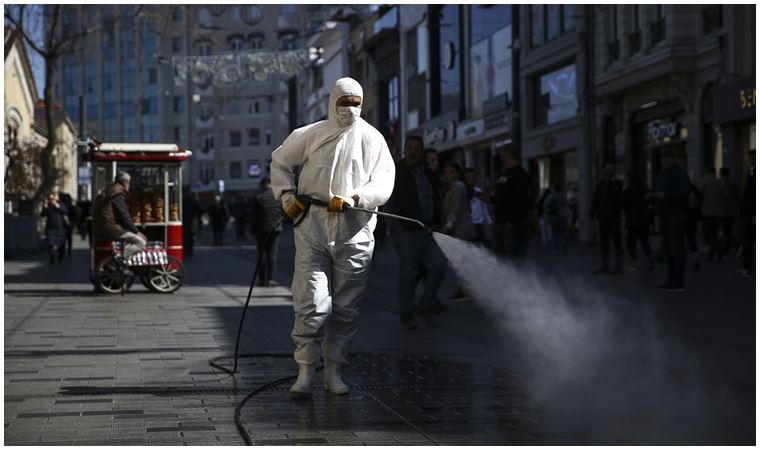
(344, 86)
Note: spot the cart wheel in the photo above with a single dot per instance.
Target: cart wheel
(109, 279)
(166, 278)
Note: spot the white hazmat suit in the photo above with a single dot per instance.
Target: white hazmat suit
(333, 250)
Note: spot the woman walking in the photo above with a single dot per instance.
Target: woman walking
(55, 227)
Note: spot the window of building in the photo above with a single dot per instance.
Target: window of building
(179, 103)
(251, 13)
(448, 52)
(253, 136)
(149, 105)
(236, 42)
(712, 18)
(490, 62)
(203, 48)
(393, 110)
(177, 13)
(207, 143)
(288, 41)
(658, 25)
(269, 136)
(235, 140)
(548, 22)
(179, 133)
(204, 18)
(254, 168)
(257, 41)
(236, 170)
(235, 13)
(555, 96)
(613, 43)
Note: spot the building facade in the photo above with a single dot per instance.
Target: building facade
(124, 75)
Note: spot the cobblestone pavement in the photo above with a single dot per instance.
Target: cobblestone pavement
(105, 370)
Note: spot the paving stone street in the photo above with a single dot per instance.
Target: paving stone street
(86, 369)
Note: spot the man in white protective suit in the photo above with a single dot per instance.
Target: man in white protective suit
(345, 161)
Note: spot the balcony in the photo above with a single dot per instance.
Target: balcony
(658, 32)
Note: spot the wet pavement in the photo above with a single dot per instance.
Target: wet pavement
(105, 370)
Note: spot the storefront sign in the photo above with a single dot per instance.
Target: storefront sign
(471, 129)
(441, 133)
(662, 130)
(734, 102)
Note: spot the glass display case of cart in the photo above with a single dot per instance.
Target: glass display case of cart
(153, 196)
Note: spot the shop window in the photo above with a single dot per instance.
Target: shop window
(235, 140)
(555, 96)
(448, 51)
(235, 170)
(490, 37)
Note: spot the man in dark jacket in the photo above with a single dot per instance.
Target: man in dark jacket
(218, 214)
(606, 207)
(748, 220)
(416, 195)
(191, 211)
(636, 211)
(111, 219)
(266, 212)
(511, 207)
(672, 189)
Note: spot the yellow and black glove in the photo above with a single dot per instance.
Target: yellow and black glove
(338, 203)
(291, 205)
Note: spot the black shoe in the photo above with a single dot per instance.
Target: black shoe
(408, 324)
(672, 287)
(603, 269)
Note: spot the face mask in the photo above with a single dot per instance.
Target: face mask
(347, 115)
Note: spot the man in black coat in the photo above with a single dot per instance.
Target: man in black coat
(266, 212)
(416, 194)
(511, 207)
(606, 208)
(748, 220)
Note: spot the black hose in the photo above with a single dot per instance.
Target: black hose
(213, 361)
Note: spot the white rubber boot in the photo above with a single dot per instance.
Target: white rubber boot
(304, 380)
(333, 382)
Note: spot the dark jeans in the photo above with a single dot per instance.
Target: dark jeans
(711, 225)
(558, 225)
(638, 235)
(218, 234)
(748, 246)
(727, 226)
(268, 259)
(610, 230)
(511, 239)
(417, 249)
(60, 249)
(674, 237)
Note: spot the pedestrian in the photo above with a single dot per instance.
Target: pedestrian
(481, 216)
(572, 203)
(266, 214)
(731, 210)
(695, 216)
(71, 219)
(672, 196)
(85, 219)
(55, 227)
(748, 220)
(606, 208)
(555, 213)
(431, 158)
(544, 228)
(456, 206)
(111, 218)
(346, 161)
(416, 194)
(636, 211)
(217, 212)
(511, 207)
(240, 215)
(191, 216)
(714, 198)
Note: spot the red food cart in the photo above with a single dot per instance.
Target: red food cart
(155, 203)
